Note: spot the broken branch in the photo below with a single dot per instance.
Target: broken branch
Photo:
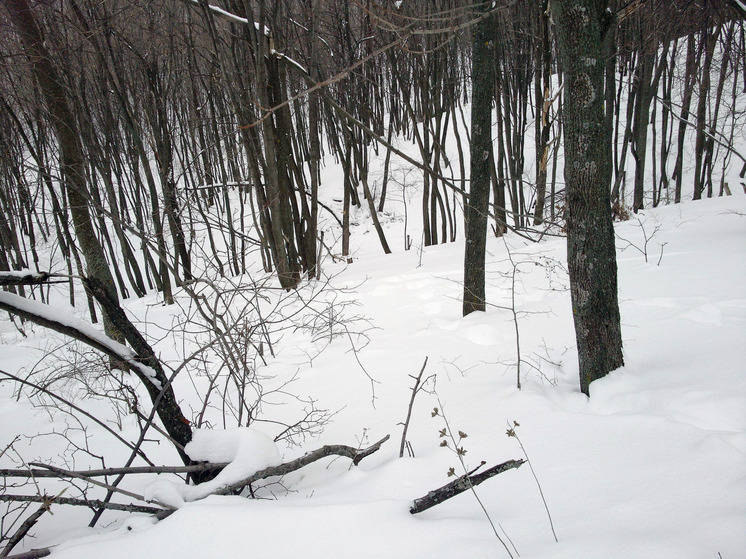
(457, 486)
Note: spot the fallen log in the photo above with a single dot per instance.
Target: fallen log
(459, 485)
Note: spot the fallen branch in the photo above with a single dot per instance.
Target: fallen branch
(59, 473)
(15, 539)
(111, 488)
(91, 503)
(33, 554)
(355, 454)
(24, 529)
(457, 486)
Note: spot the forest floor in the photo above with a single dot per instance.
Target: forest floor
(651, 466)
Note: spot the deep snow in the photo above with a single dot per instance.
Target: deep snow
(652, 465)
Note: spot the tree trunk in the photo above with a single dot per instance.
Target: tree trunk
(71, 150)
(543, 103)
(479, 190)
(590, 235)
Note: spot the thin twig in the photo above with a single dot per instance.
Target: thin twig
(512, 433)
(415, 390)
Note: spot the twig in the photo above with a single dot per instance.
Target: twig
(373, 381)
(415, 390)
(72, 406)
(515, 314)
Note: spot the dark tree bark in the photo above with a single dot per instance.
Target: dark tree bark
(693, 55)
(647, 74)
(71, 150)
(542, 84)
(700, 174)
(479, 190)
(591, 254)
(143, 362)
(459, 485)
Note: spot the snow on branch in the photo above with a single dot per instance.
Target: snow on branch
(283, 56)
(221, 12)
(355, 454)
(230, 16)
(23, 277)
(62, 322)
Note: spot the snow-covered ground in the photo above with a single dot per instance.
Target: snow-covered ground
(653, 465)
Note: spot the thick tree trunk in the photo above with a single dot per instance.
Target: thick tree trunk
(590, 235)
(479, 189)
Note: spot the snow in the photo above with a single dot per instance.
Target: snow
(652, 465)
(20, 274)
(65, 317)
(246, 450)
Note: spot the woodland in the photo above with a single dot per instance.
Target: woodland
(177, 149)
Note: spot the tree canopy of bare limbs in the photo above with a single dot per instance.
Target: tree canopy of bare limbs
(153, 114)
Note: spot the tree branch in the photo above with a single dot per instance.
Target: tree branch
(355, 454)
(94, 504)
(70, 326)
(35, 473)
(457, 486)
(33, 554)
(73, 407)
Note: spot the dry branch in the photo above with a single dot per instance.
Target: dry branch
(457, 486)
(91, 503)
(415, 390)
(355, 454)
(24, 529)
(33, 554)
(59, 473)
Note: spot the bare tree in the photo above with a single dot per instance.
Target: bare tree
(591, 254)
(477, 208)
